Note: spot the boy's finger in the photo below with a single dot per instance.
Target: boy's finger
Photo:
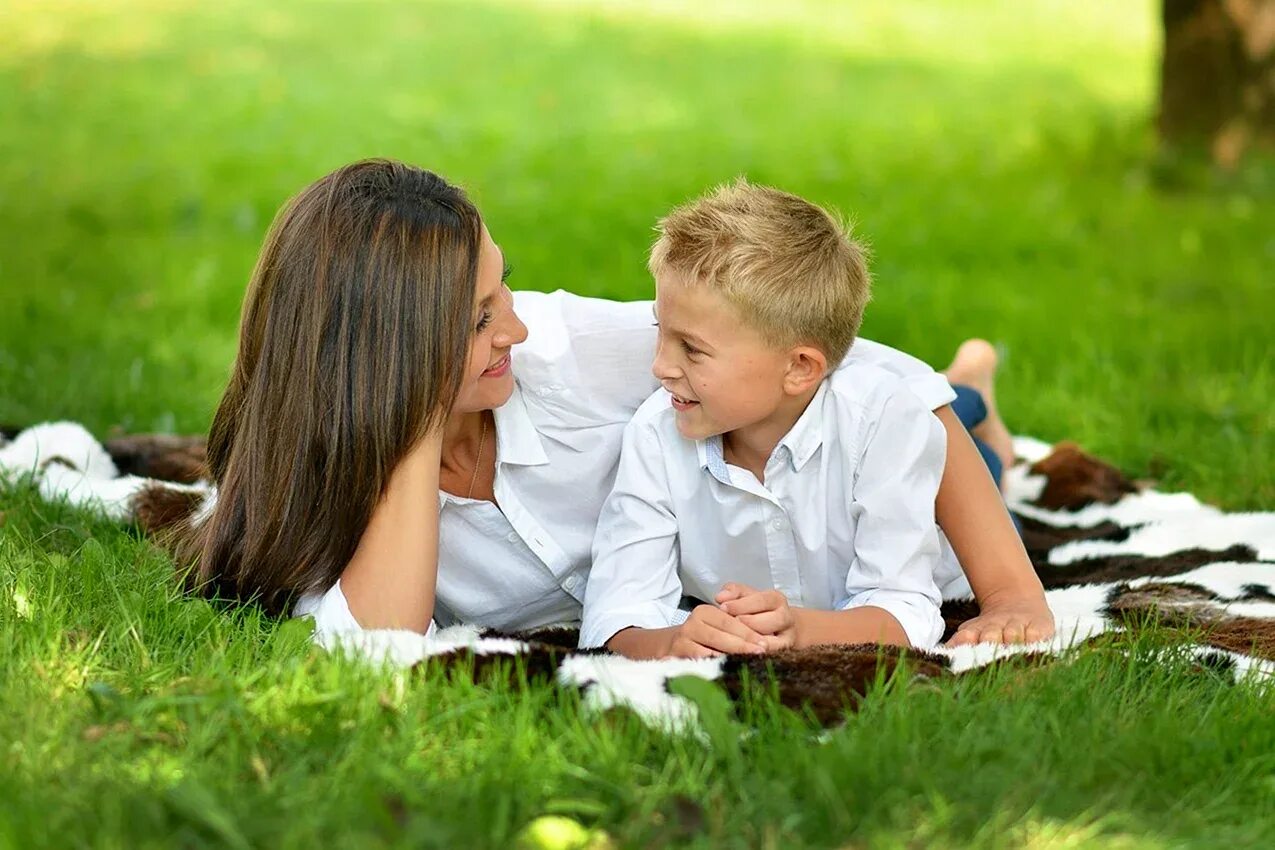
(963, 637)
(1035, 633)
(1014, 632)
(692, 649)
(753, 603)
(732, 590)
(766, 623)
(718, 620)
(724, 641)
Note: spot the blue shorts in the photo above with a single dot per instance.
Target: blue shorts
(970, 408)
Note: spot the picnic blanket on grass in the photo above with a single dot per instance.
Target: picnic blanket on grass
(1112, 556)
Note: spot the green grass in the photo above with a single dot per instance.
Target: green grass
(998, 156)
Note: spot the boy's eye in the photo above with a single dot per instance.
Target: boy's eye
(484, 321)
(690, 349)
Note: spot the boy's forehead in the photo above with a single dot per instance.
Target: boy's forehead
(674, 289)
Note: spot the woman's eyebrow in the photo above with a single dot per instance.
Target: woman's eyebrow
(496, 291)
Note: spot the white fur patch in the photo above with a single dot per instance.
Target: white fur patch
(642, 686)
(31, 451)
(1210, 531)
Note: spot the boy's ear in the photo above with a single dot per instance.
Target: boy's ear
(807, 366)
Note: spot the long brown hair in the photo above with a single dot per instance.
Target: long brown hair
(352, 345)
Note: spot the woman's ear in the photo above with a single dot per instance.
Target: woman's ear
(807, 366)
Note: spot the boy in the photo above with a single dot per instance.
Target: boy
(794, 490)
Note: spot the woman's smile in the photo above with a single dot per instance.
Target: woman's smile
(498, 369)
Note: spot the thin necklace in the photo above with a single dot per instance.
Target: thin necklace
(473, 479)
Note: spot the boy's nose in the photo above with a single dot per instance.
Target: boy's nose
(661, 368)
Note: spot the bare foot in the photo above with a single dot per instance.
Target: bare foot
(975, 366)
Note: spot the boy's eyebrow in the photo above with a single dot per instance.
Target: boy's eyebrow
(698, 340)
(695, 338)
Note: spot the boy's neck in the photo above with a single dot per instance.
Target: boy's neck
(750, 447)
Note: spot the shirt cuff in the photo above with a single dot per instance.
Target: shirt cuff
(331, 613)
(919, 616)
(597, 629)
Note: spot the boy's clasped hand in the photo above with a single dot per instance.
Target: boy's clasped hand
(744, 620)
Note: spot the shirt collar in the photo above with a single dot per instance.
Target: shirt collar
(806, 435)
(517, 440)
(801, 442)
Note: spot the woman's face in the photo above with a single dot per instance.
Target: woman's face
(489, 379)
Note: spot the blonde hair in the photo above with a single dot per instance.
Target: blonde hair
(790, 268)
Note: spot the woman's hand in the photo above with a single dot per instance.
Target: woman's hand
(390, 581)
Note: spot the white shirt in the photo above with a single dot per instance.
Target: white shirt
(579, 377)
(844, 519)
(583, 371)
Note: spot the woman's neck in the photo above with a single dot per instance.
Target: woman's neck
(462, 434)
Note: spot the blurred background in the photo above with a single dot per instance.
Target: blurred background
(1009, 163)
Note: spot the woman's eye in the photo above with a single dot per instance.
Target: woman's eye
(484, 321)
(506, 272)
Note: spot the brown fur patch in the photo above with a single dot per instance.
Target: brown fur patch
(1076, 479)
(1125, 567)
(1188, 606)
(538, 663)
(1039, 537)
(158, 509)
(162, 456)
(826, 680)
(955, 612)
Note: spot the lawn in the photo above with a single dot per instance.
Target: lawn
(997, 156)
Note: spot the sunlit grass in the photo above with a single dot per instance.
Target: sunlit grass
(997, 156)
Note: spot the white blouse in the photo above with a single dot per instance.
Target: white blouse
(580, 376)
(844, 518)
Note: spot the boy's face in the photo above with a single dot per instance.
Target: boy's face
(722, 374)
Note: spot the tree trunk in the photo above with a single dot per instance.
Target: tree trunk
(1217, 78)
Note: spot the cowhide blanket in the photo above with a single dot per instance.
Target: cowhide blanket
(1110, 554)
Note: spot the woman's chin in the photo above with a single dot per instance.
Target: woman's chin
(489, 394)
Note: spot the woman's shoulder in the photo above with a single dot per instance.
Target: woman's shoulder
(592, 354)
(920, 378)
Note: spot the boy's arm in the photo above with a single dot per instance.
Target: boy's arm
(630, 603)
(896, 541)
(972, 513)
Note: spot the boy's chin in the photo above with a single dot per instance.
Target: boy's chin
(691, 429)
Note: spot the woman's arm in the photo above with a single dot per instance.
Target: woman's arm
(972, 514)
(390, 581)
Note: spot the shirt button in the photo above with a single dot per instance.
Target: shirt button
(512, 537)
(778, 524)
(571, 583)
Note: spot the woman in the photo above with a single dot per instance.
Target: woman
(376, 457)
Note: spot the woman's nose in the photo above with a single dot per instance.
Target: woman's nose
(510, 331)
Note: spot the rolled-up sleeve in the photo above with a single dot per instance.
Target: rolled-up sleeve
(633, 580)
(332, 616)
(896, 541)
